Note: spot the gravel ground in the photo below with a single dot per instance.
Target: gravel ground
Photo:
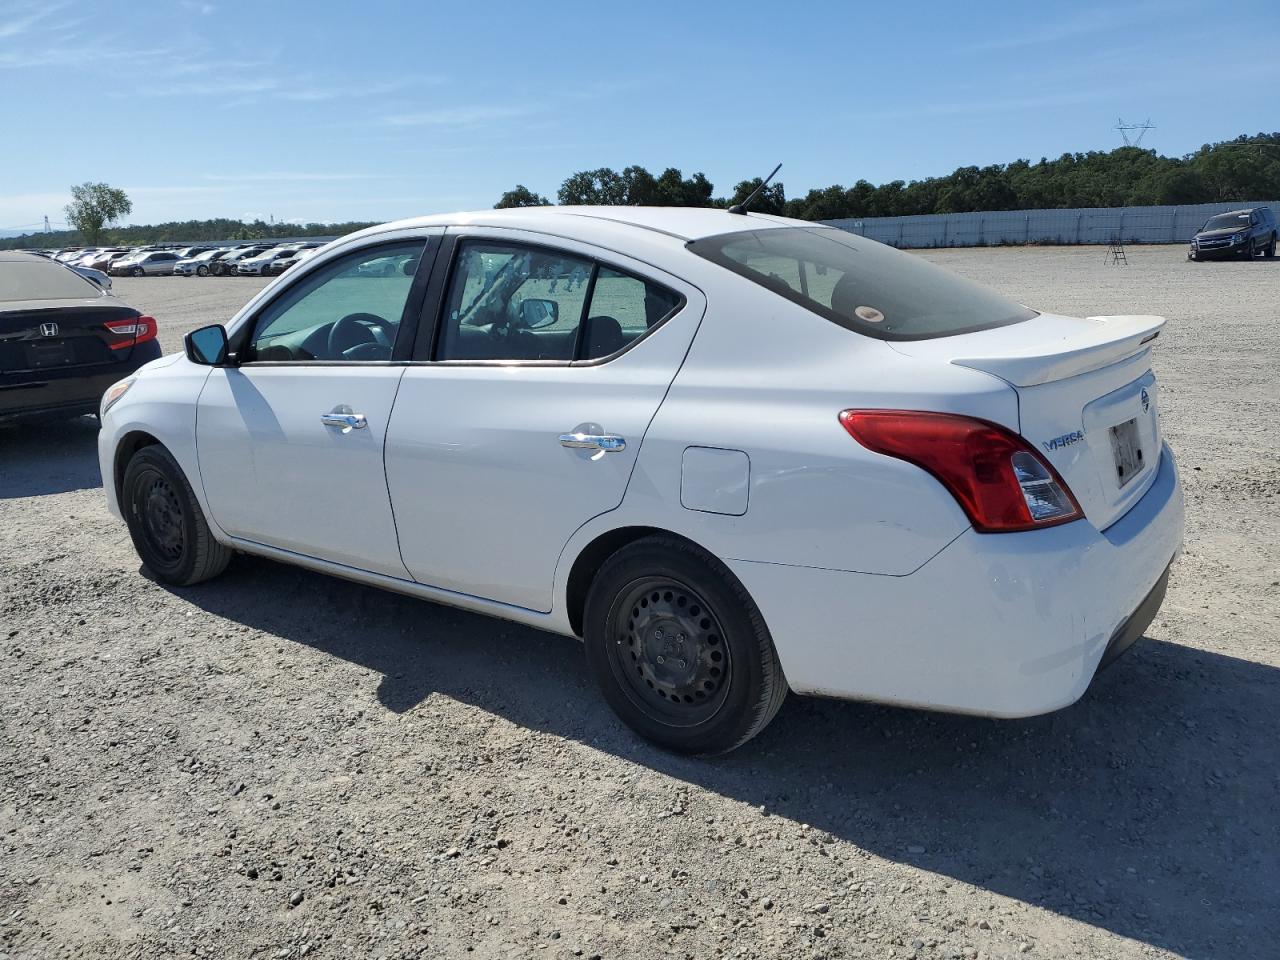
(277, 764)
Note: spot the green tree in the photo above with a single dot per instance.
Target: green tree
(772, 199)
(94, 206)
(594, 187)
(520, 196)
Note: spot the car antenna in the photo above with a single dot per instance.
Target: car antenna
(741, 208)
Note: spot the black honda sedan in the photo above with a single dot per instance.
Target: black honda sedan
(63, 339)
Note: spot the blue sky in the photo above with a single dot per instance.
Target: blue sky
(336, 110)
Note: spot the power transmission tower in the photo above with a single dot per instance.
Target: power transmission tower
(1127, 131)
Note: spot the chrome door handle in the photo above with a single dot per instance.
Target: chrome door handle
(347, 421)
(593, 441)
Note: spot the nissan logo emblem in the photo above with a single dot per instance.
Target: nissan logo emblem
(48, 329)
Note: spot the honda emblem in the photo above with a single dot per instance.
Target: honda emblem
(48, 329)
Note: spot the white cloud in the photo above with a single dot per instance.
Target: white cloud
(285, 177)
(17, 25)
(468, 116)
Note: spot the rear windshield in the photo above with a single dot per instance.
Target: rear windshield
(40, 279)
(860, 284)
(1227, 221)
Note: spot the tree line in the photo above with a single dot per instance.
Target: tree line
(1246, 168)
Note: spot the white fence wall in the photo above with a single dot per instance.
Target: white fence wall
(1174, 224)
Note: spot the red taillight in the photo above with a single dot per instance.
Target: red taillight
(996, 477)
(132, 332)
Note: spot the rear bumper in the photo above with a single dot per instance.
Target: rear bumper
(1003, 625)
(67, 393)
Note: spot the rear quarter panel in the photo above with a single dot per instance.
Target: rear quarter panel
(768, 378)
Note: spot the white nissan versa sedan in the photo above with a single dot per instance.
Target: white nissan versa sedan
(736, 454)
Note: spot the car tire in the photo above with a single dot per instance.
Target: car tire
(1270, 250)
(202, 271)
(168, 528)
(136, 272)
(679, 649)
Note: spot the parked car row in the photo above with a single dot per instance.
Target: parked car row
(258, 258)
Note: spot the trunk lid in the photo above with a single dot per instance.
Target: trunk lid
(1087, 399)
(40, 338)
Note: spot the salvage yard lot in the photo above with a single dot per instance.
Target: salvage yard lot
(277, 764)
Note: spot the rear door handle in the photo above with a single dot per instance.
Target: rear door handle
(593, 441)
(347, 421)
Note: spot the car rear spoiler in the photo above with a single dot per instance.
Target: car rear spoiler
(1108, 341)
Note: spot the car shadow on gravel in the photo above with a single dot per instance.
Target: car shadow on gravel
(38, 459)
(1148, 809)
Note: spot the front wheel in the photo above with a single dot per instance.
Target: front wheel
(1270, 250)
(202, 271)
(679, 649)
(165, 521)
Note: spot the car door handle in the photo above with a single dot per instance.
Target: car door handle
(593, 441)
(347, 421)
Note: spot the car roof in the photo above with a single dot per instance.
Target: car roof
(682, 223)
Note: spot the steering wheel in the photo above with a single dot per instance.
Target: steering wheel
(354, 331)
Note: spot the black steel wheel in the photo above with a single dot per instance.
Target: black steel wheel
(160, 515)
(668, 651)
(166, 524)
(679, 649)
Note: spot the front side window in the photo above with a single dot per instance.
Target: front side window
(349, 310)
(511, 302)
(860, 284)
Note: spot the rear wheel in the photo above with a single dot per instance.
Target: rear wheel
(679, 649)
(165, 521)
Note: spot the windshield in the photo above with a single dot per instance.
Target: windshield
(1227, 221)
(860, 284)
(38, 279)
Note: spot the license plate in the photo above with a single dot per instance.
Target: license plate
(48, 354)
(1126, 447)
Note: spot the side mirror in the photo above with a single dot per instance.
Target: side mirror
(535, 314)
(207, 346)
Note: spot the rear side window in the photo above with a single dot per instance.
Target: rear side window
(40, 279)
(510, 302)
(860, 284)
